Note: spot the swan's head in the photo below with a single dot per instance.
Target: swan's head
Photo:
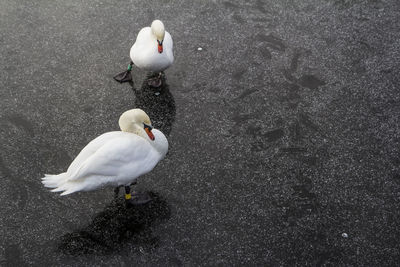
(158, 30)
(136, 121)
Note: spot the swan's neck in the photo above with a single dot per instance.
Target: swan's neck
(136, 129)
(157, 29)
(160, 143)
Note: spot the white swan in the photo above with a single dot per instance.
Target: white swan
(114, 158)
(152, 51)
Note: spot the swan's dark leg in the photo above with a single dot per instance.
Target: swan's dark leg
(128, 195)
(156, 81)
(136, 198)
(116, 191)
(125, 76)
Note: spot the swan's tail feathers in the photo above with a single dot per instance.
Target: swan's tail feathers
(72, 189)
(60, 183)
(54, 181)
(69, 188)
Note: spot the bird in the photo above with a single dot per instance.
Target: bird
(152, 51)
(114, 158)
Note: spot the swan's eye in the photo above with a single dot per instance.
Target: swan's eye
(146, 126)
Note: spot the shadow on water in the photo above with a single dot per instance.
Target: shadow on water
(158, 103)
(117, 225)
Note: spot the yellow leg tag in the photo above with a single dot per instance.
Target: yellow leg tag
(128, 196)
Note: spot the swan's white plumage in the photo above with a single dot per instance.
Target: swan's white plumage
(114, 158)
(144, 52)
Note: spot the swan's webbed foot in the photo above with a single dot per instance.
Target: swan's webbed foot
(136, 198)
(125, 76)
(156, 81)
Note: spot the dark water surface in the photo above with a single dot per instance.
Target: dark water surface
(284, 133)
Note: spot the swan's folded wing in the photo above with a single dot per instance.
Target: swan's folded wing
(143, 36)
(90, 149)
(120, 157)
(168, 43)
(168, 40)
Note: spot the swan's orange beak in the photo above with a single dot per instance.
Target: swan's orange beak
(148, 129)
(160, 47)
(149, 133)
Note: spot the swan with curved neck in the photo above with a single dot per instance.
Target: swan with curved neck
(136, 121)
(152, 52)
(115, 158)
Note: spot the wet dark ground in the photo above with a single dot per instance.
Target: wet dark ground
(284, 133)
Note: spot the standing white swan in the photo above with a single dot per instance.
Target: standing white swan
(114, 158)
(152, 51)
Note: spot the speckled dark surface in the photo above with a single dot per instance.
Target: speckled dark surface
(284, 133)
